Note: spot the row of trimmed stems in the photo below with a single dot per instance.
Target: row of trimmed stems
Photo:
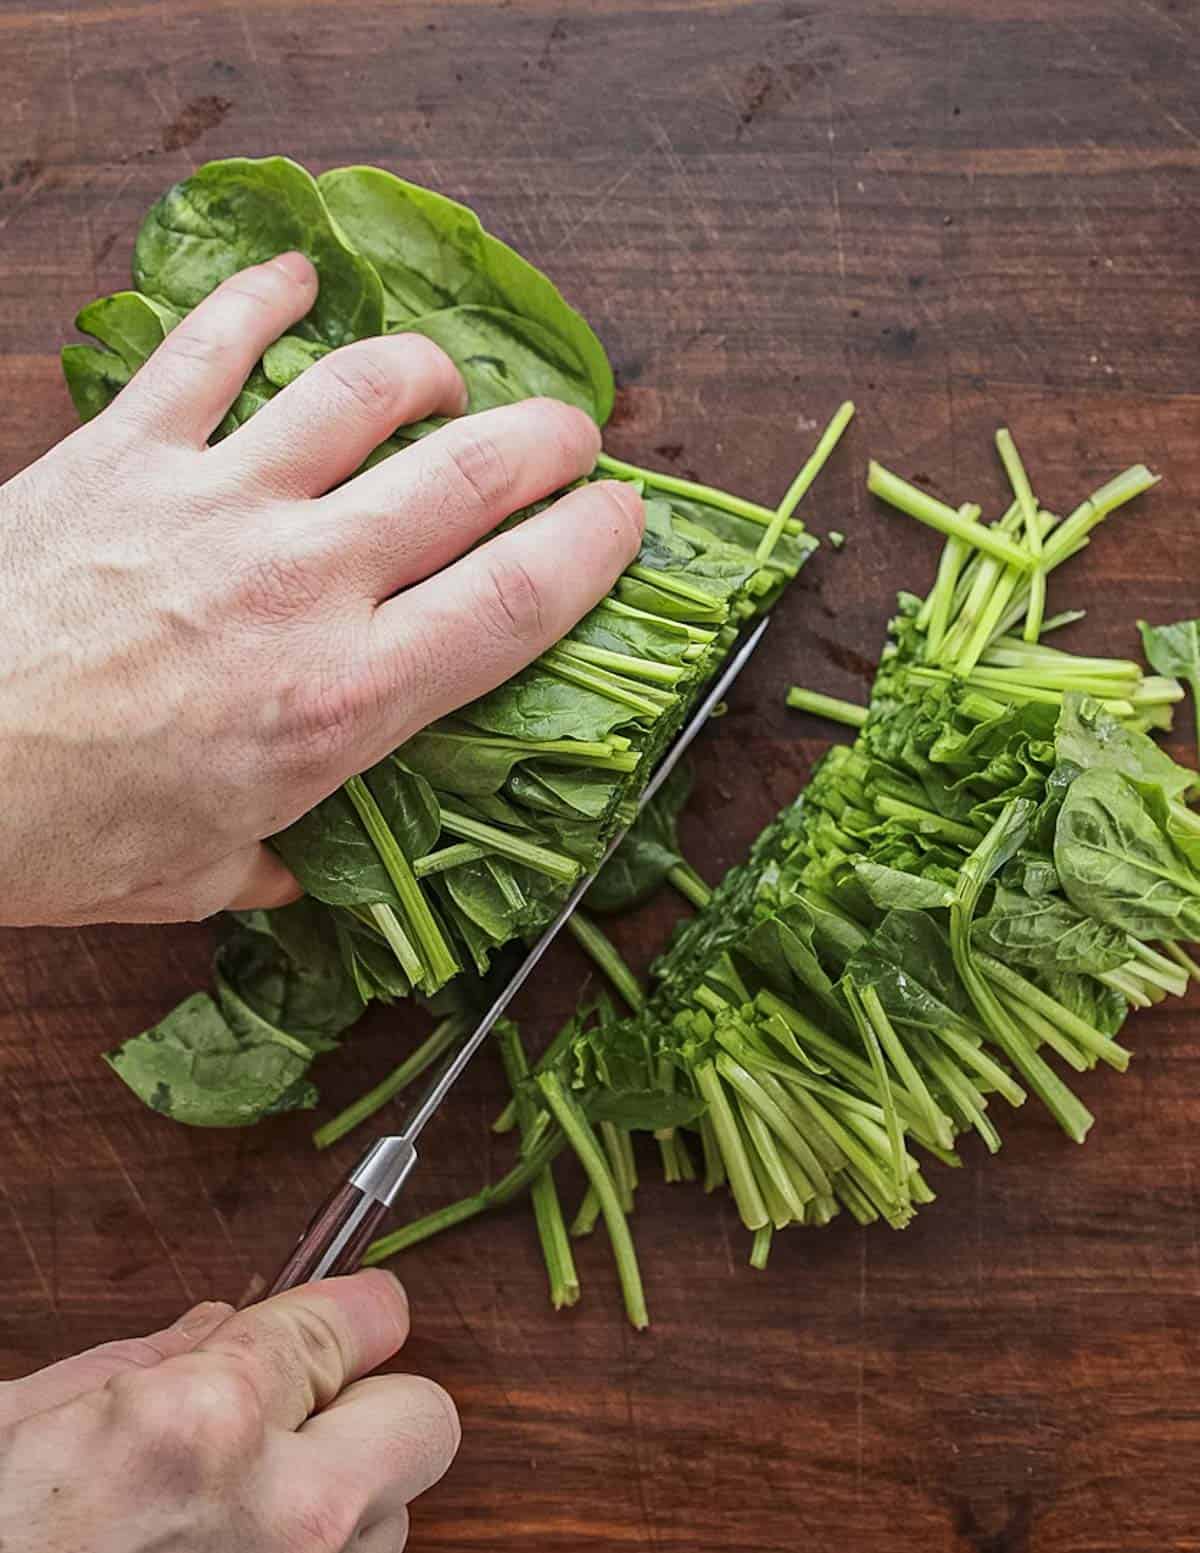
(798, 489)
(547, 1210)
(442, 1037)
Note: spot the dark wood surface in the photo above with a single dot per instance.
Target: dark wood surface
(961, 215)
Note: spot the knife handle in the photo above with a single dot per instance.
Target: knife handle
(337, 1235)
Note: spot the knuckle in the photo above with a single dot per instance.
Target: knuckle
(478, 468)
(366, 378)
(327, 714)
(209, 1417)
(512, 603)
(276, 586)
(195, 345)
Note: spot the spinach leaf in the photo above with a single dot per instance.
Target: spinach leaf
(203, 1068)
(890, 888)
(1047, 932)
(1118, 866)
(233, 213)
(1175, 650)
(94, 378)
(432, 253)
(1088, 739)
(287, 966)
(504, 357)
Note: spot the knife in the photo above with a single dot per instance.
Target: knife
(340, 1231)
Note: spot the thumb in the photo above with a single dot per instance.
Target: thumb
(71, 1378)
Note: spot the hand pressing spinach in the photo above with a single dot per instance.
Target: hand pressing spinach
(431, 863)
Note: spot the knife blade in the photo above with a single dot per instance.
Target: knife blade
(340, 1231)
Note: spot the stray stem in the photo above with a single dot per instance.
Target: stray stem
(796, 492)
(547, 1210)
(604, 952)
(801, 700)
(430, 1049)
(566, 1112)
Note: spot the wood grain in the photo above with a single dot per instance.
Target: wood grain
(961, 215)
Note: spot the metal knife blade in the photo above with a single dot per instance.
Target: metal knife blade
(445, 1080)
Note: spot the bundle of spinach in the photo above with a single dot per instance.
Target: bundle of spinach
(990, 877)
(471, 834)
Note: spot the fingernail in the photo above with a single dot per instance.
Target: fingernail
(296, 267)
(203, 1318)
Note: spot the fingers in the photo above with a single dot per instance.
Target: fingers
(300, 1349)
(190, 381)
(89, 1371)
(462, 633)
(322, 426)
(411, 515)
(388, 1439)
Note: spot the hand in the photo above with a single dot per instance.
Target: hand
(248, 1432)
(200, 643)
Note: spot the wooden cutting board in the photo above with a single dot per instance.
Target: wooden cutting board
(959, 215)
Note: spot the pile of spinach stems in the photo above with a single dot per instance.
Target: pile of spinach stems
(419, 872)
(966, 899)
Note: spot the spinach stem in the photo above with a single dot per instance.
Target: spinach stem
(440, 963)
(431, 1048)
(798, 489)
(575, 1126)
(447, 857)
(522, 1175)
(801, 700)
(927, 509)
(540, 859)
(547, 1210)
(689, 884)
(691, 491)
(603, 951)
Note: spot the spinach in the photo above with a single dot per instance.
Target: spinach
(238, 212)
(215, 1065)
(432, 254)
(1046, 932)
(1175, 650)
(503, 357)
(1118, 866)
